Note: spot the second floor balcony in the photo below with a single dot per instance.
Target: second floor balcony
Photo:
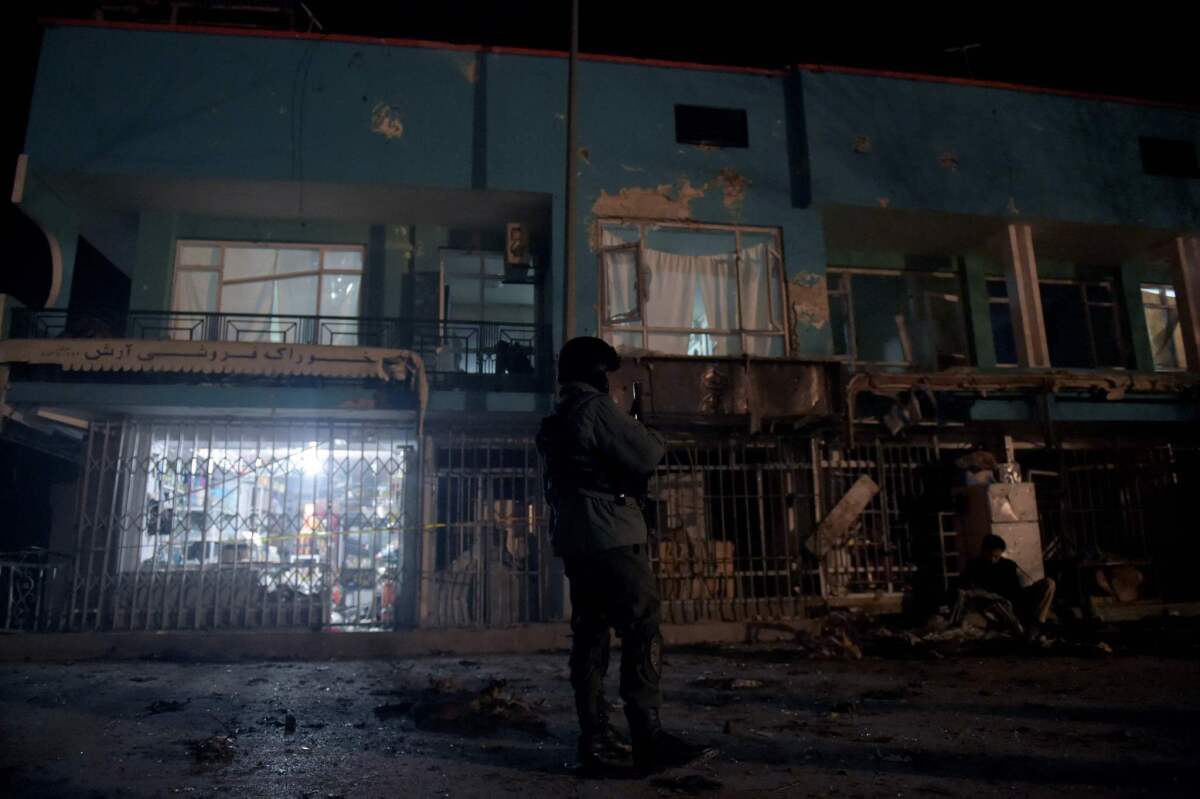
(458, 354)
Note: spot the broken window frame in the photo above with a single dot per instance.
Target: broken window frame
(843, 274)
(1114, 306)
(1165, 299)
(776, 289)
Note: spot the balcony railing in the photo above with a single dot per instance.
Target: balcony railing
(510, 356)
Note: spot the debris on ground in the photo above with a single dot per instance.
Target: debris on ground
(165, 706)
(729, 683)
(445, 706)
(217, 749)
(691, 784)
(394, 710)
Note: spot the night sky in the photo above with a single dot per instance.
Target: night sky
(1137, 52)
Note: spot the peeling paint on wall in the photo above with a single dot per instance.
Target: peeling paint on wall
(669, 201)
(733, 185)
(884, 202)
(469, 70)
(629, 168)
(808, 303)
(862, 144)
(948, 160)
(665, 201)
(385, 121)
(585, 155)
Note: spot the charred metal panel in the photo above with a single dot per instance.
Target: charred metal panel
(726, 387)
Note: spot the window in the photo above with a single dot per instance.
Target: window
(711, 127)
(1004, 340)
(1082, 325)
(261, 290)
(692, 290)
(1082, 321)
(476, 289)
(1162, 325)
(897, 319)
(1169, 157)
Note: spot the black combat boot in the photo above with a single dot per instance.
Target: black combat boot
(656, 750)
(600, 745)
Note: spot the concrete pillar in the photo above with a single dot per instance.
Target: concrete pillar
(1186, 263)
(978, 310)
(1024, 297)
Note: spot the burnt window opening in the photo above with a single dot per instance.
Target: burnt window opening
(1174, 158)
(897, 320)
(711, 127)
(1163, 327)
(1083, 326)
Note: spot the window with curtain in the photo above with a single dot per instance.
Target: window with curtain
(290, 293)
(700, 291)
(895, 319)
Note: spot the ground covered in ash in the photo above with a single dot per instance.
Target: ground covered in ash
(853, 715)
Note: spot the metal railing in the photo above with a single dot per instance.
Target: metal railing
(457, 353)
(26, 579)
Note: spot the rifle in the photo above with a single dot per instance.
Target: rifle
(641, 491)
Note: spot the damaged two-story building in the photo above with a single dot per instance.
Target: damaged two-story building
(308, 292)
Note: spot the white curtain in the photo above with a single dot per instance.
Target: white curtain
(620, 279)
(196, 291)
(672, 297)
(756, 314)
(247, 298)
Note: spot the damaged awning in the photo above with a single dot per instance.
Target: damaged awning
(1111, 386)
(251, 359)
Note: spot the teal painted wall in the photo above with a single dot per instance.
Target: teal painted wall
(1016, 154)
(275, 109)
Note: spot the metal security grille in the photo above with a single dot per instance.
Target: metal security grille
(733, 515)
(486, 559)
(878, 555)
(1121, 504)
(240, 524)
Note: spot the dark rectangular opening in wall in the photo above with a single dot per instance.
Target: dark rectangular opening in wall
(711, 127)
(1169, 157)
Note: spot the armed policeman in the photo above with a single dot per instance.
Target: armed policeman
(597, 461)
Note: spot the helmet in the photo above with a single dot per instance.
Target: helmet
(586, 358)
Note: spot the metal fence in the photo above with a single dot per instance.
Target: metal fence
(878, 555)
(734, 515)
(27, 582)
(1121, 503)
(457, 353)
(239, 525)
(487, 559)
(253, 524)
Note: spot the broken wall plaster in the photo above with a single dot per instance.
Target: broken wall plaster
(469, 69)
(808, 301)
(665, 201)
(669, 201)
(386, 121)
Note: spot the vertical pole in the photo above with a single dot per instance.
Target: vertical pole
(572, 177)
(1187, 295)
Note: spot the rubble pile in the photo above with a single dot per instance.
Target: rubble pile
(445, 706)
